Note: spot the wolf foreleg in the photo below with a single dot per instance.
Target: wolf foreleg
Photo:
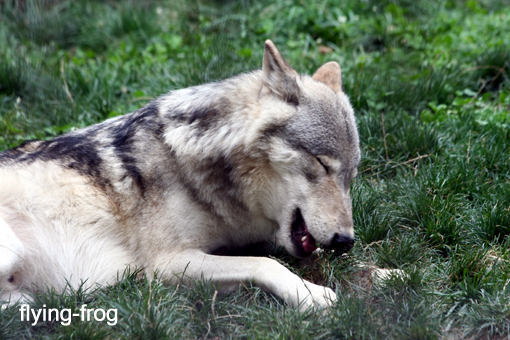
(228, 272)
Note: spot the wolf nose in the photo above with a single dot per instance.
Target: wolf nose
(342, 243)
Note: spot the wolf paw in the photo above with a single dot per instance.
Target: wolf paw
(8, 299)
(318, 297)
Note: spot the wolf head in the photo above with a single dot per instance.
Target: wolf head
(314, 153)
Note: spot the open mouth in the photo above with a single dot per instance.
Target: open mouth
(304, 242)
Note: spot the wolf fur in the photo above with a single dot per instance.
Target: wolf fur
(173, 187)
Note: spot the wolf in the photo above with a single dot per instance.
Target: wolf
(177, 186)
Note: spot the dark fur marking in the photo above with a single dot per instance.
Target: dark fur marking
(204, 116)
(218, 175)
(124, 137)
(271, 130)
(292, 98)
(74, 151)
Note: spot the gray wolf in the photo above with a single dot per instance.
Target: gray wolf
(179, 184)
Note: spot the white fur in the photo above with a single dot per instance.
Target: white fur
(45, 244)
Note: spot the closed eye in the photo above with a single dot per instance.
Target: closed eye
(323, 165)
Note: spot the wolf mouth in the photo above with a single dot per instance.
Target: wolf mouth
(302, 239)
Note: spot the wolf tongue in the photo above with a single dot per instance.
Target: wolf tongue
(309, 244)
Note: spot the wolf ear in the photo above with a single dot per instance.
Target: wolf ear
(278, 76)
(331, 75)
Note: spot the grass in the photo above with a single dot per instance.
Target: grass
(430, 84)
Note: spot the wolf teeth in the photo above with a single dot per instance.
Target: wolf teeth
(303, 239)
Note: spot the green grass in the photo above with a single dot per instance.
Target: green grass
(430, 84)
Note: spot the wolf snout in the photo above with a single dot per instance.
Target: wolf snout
(341, 243)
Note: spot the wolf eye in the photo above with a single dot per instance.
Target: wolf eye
(323, 165)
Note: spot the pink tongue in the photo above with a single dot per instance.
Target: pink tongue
(309, 243)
